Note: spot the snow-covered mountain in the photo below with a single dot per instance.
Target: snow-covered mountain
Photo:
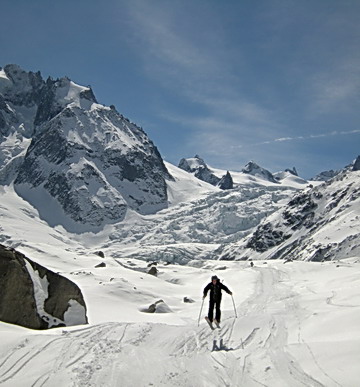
(254, 169)
(325, 175)
(319, 223)
(251, 174)
(274, 339)
(67, 160)
(80, 163)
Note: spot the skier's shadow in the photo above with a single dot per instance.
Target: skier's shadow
(220, 347)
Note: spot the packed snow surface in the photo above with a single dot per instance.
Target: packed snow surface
(296, 325)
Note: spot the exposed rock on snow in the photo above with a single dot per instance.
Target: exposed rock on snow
(265, 237)
(35, 297)
(253, 169)
(158, 307)
(198, 167)
(153, 271)
(293, 171)
(326, 175)
(356, 164)
(321, 223)
(226, 182)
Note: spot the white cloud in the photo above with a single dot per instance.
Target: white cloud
(308, 137)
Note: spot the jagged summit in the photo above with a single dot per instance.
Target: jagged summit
(293, 171)
(254, 169)
(226, 182)
(356, 164)
(80, 163)
(325, 175)
(197, 166)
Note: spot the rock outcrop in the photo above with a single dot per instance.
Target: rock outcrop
(356, 164)
(226, 182)
(199, 169)
(251, 168)
(35, 297)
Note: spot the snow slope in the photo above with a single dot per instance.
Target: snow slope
(297, 325)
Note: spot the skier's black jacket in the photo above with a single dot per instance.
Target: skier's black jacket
(215, 290)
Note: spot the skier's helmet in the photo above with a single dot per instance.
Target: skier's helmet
(214, 277)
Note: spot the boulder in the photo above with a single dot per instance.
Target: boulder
(153, 271)
(158, 307)
(35, 297)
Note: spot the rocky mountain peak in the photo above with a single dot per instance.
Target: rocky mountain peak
(254, 169)
(88, 161)
(197, 166)
(226, 182)
(356, 164)
(293, 171)
(325, 175)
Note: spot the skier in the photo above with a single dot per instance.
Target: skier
(215, 287)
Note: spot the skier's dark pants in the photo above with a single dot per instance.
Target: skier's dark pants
(215, 303)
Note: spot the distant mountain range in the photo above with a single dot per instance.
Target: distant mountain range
(84, 166)
(197, 166)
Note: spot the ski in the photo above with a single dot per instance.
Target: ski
(217, 324)
(209, 322)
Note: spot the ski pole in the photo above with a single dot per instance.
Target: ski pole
(200, 311)
(234, 305)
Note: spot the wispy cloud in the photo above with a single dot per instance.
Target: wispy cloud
(247, 86)
(308, 137)
(196, 68)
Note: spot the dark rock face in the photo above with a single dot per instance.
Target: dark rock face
(356, 166)
(293, 171)
(265, 237)
(198, 167)
(24, 284)
(153, 271)
(226, 182)
(300, 211)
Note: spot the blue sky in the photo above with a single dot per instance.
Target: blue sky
(275, 81)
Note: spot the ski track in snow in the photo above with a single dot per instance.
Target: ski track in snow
(250, 350)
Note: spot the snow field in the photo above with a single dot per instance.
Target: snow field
(297, 325)
(297, 322)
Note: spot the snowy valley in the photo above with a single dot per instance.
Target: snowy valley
(86, 194)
